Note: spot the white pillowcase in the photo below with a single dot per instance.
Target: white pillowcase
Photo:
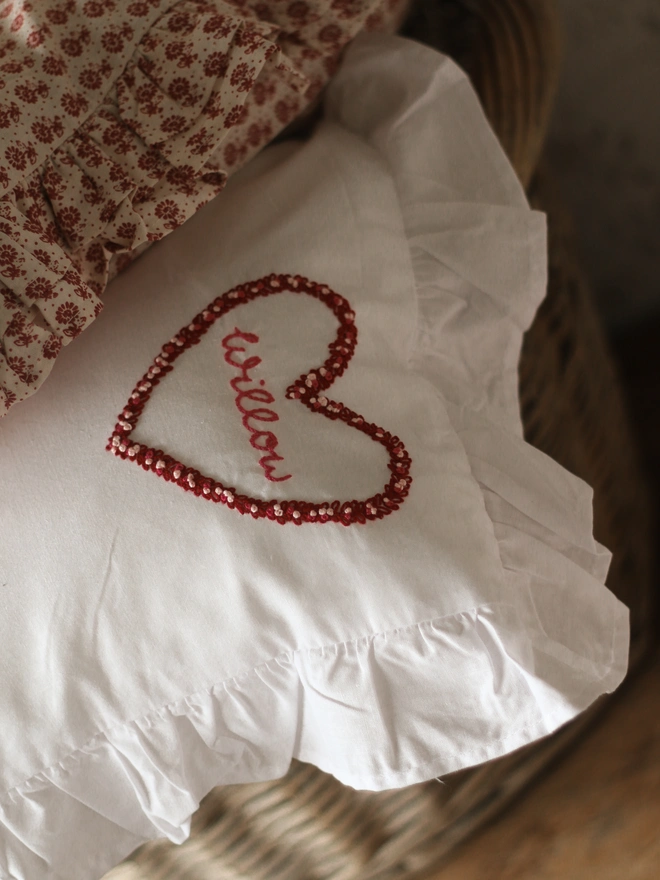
(156, 641)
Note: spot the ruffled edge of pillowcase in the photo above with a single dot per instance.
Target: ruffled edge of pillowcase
(479, 258)
(143, 780)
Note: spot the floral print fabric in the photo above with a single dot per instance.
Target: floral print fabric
(121, 118)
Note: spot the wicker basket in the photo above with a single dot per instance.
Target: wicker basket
(308, 826)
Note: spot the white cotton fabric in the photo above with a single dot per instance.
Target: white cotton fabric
(153, 645)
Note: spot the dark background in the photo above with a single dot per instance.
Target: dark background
(604, 150)
(604, 147)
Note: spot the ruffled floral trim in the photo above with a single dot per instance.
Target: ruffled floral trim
(45, 303)
(205, 89)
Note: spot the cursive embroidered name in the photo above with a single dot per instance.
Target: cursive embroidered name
(245, 387)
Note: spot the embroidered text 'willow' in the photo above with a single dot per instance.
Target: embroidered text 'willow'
(264, 441)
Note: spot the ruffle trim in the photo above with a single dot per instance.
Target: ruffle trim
(48, 302)
(479, 258)
(144, 779)
(146, 160)
(478, 252)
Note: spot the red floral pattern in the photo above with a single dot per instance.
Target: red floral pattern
(119, 120)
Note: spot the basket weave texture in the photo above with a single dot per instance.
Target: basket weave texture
(308, 826)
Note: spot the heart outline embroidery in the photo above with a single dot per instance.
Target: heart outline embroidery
(307, 389)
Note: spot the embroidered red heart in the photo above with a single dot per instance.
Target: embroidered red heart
(308, 389)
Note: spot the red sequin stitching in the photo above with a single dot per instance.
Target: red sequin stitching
(307, 389)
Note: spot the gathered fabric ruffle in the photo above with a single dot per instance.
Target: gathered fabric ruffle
(479, 257)
(208, 85)
(144, 779)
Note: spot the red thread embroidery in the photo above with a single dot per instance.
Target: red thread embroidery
(307, 389)
(264, 441)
